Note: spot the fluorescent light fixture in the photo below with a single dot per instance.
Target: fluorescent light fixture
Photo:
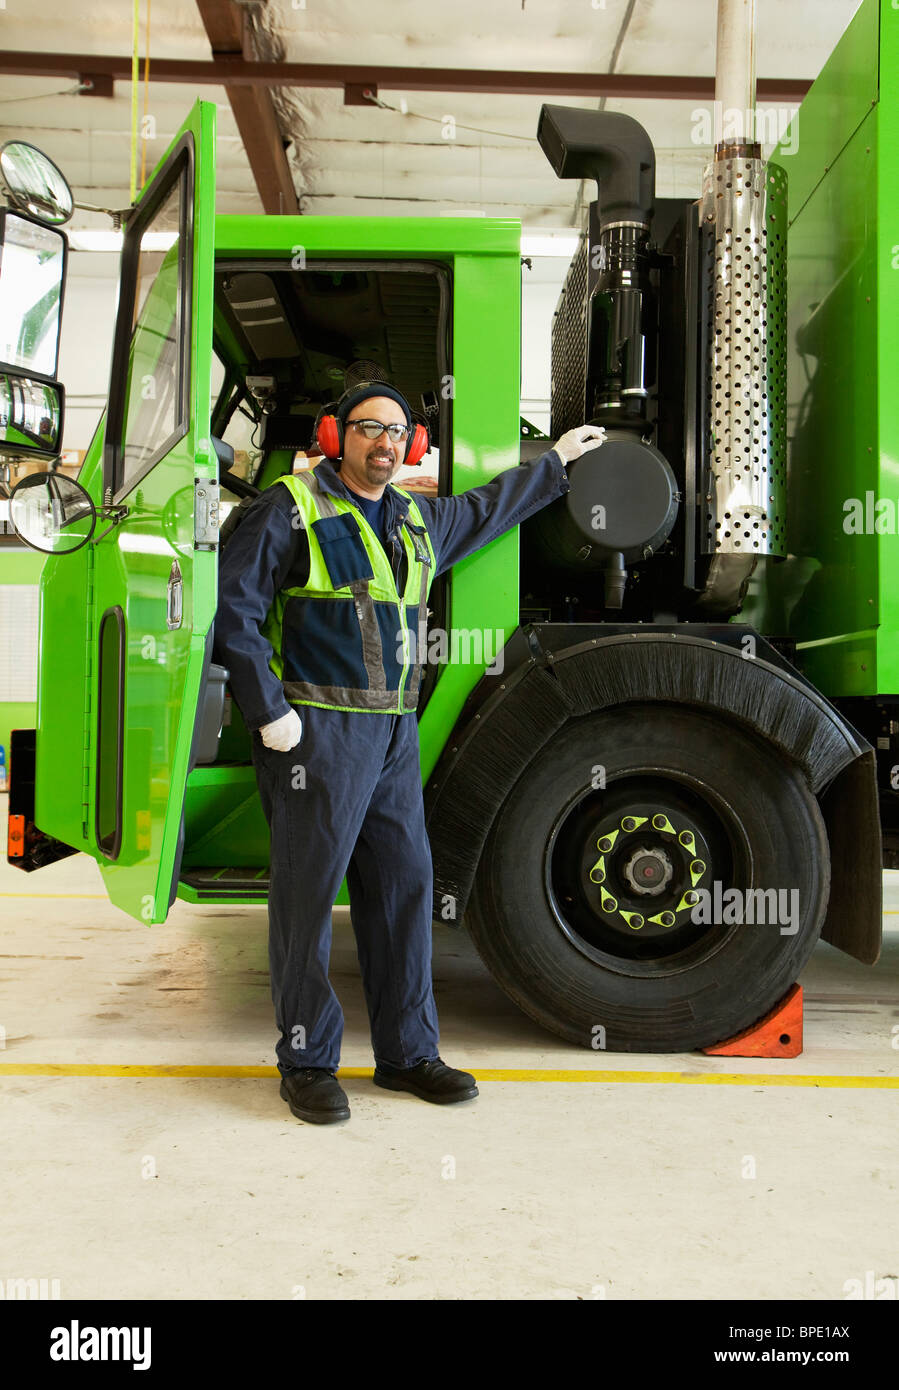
(105, 239)
(549, 243)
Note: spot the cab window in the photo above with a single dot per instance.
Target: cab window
(148, 405)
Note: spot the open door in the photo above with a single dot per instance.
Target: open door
(154, 573)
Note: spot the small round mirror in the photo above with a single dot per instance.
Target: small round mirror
(52, 512)
(34, 183)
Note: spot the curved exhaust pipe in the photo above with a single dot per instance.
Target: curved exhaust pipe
(609, 147)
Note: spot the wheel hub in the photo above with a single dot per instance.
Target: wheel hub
(648, 871)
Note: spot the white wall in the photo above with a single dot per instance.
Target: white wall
(540, 289)
(85, 348)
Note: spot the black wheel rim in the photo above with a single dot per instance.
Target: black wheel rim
(622, 862)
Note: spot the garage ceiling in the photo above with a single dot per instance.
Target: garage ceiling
(351, 159)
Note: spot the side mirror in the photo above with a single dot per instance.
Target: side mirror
(34, 184)
(32, 275)
(52, 513)
(31, 413)
(33, 254)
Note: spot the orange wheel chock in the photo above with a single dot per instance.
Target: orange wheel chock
(778, 1034)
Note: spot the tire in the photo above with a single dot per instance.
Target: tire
(546, 931)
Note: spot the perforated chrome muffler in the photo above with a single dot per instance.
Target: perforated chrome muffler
(744, 206)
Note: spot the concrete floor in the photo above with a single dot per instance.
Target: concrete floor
(616, 1186)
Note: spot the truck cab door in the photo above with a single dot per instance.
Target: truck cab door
(155, 570)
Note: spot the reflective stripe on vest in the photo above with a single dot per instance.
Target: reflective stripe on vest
(311, 638)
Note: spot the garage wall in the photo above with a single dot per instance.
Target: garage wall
(541, 286)
(85, 348)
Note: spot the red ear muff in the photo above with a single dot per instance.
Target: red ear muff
(418, 445)
(329, 436)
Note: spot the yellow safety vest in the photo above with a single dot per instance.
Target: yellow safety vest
(347, 639)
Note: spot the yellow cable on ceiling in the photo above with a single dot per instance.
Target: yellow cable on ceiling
(143, 148)
(135, 30)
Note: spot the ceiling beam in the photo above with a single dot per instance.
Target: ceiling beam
(230, 72)
(251, 105)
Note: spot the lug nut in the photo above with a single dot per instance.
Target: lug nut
(666, 919)
(628, 823)
(697, 867)
(604, 844)
(691, 898)
(636, 921)
(658, 822)
(686, 838)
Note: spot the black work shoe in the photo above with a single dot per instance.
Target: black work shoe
(315, 1094)
(433, 1081)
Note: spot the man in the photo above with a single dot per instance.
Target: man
(312, 585)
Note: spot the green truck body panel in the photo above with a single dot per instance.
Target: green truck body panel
(19, 567)
(837, 594)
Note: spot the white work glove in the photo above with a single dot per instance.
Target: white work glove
(577, 442)
(284, 733)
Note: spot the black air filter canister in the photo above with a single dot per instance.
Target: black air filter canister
(623, 501)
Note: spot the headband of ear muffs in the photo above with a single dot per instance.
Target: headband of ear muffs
(330, 427)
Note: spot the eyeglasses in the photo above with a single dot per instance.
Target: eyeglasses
(373, 429)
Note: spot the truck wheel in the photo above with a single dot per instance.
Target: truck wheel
(654, 882)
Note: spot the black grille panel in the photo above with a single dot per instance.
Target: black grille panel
(569, 348)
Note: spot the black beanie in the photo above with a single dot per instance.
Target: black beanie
(367, 389)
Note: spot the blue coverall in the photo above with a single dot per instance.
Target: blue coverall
(348, 799)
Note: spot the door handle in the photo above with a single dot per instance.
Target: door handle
(174, 597)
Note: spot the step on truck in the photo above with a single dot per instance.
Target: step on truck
(659, 722)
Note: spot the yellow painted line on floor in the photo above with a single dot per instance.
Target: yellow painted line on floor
(666, 1078)
(685, 1078)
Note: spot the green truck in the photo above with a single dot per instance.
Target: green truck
(668, 778)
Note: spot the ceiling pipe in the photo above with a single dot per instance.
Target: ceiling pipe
(735, 78)
(228, 71)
